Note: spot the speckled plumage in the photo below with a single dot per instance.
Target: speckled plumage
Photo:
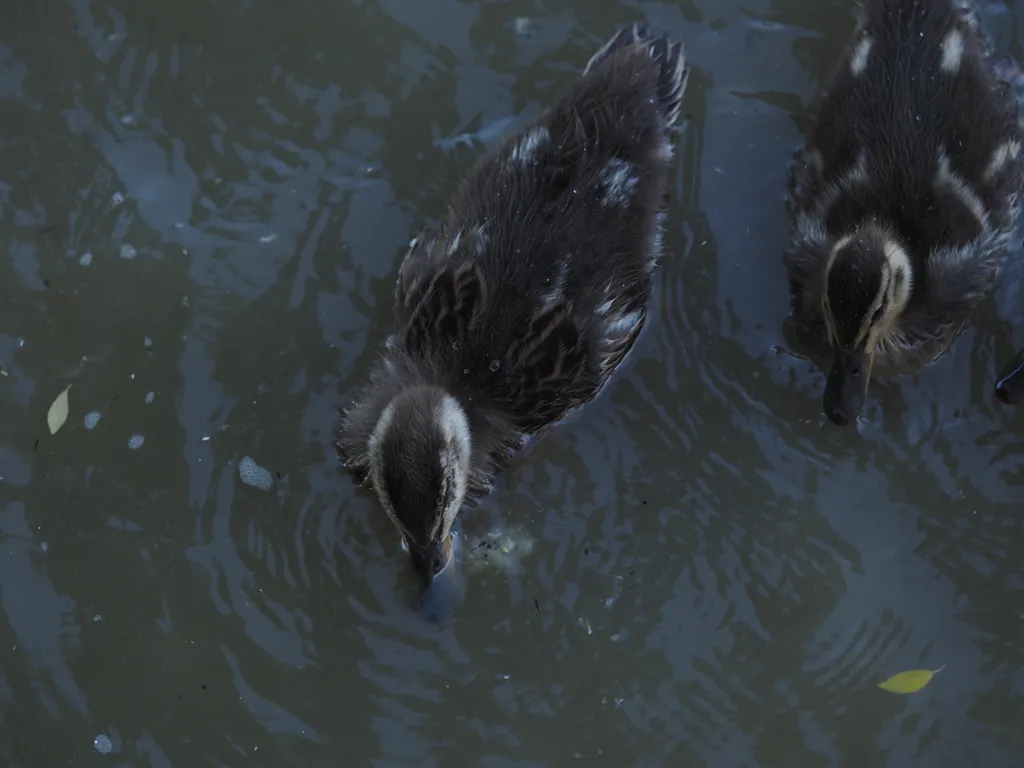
(526, 298)
(918, 139)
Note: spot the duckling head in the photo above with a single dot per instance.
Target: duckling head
(419, 457)
(868, 280)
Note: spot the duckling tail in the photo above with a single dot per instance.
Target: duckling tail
(671, 58)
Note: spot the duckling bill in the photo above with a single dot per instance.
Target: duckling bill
(904, 199)
(524, 301)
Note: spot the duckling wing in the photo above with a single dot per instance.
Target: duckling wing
(441, 298)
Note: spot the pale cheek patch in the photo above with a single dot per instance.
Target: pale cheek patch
(952, 51)
(859, 59)
(618, 182)
(525, 151)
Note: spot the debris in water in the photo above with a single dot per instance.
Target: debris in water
(616, 591)
(136, 441)
(92, 419)
(128, 252)
(523, 26)
(147, 343)
(58, 412)
(85, 259)
(150, 397)
(495, 365)
(911, 681)
(255, 475)
(102, 744)
(127, 120)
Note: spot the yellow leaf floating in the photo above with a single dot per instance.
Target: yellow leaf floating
(911, 681)
(58, 412)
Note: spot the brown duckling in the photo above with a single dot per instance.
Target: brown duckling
(525, 299)
(904, 199)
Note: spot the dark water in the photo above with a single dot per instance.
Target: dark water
(719, 577)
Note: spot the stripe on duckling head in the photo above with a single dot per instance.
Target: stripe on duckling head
(454, 458)
(376, 456)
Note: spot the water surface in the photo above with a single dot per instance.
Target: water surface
(202, 209)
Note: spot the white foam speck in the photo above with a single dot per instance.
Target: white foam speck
(103, 744)
(255, 475)
(128, 252)
(127, 120)
(116, 199)
(85, 259)
(147, 343)
(92, 419)
(136, 441)
(268, 238)
(150, 397)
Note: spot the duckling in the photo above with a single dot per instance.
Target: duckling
(523, 302)
(904, 199)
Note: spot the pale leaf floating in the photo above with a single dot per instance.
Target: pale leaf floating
(911, 681)
(58, 412)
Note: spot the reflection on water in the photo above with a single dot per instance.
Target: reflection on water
(202, 208)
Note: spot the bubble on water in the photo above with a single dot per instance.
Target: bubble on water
(255, 475)
(97, 618)
(150, 397)
(128, 252)
(85, 259)
(92, 419)
(135, 442)
(495, 365)
(103, 744)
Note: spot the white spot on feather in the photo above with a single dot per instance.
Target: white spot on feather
(619, 182)
(952, 51)
(1001, 157)
(454, 246)
(859, 59)
(657, 242)
(665, 150)
(556, 292)
(525, 151)
(623, 325)
(957, 184)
